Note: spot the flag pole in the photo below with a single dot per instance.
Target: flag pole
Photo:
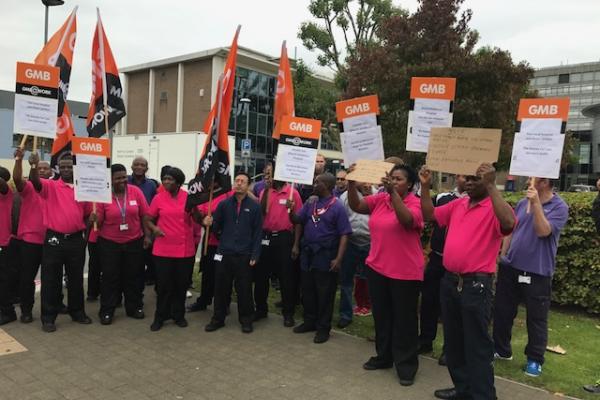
(216, 123)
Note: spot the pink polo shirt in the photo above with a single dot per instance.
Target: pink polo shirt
(111, 219)
(31, 216)
(277, 218)
(176, 224)
(6, 203)
(474, 236)
(63, 213)
(396, 251)
(203, 208)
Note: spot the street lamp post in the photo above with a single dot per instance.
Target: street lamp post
(48, 4)
(246, 101)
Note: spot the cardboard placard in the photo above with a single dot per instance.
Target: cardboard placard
(369, 171)
(462, 150)
(91, 170)
(297, 150)
(36, 100)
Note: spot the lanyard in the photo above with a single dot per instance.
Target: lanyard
(317, 212)
(122, 210)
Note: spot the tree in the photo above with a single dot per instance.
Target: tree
(436, 41)
(357, 21)
(316, 100)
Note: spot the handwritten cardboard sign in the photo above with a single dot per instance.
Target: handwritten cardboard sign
(369, 171)
(462, 150)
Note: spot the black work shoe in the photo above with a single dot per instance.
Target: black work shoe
(213, 326)
(321, 337)
(196, 307)
(84, 319)
(260, 315)
(425, 348)
(343, 323)
(182, 323)
(303, 328)
(450, 394)
(48, 327)
(7, 318)
(106, 319)
(247, 328)
(137, 314)
(406, 382)
(595, 388)
(376, 363)
(26, 318)
(156, 325)
(288, 322)
(442, 360)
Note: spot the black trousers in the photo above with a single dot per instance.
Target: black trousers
(94, 270)
(430, 299)
(150, 268)
(536, 296)
(394, 306)
(14, 266)
(122, 269)
(466, 311)
(31, 259)
(6, 306)
(207, 285)
(70, 252)
(236, 270)
(173, 278)
(318, 297)
(276, 259)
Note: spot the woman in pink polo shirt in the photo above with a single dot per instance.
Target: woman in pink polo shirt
(173, 250)
(395, 270)
(120, 246)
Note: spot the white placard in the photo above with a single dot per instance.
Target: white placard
(92, 179)
(362, 145)
(360, 122)
(427, 114)
(295, 164)
(537, 148)
(35, 116)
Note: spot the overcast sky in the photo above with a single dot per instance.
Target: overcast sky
(542, 32)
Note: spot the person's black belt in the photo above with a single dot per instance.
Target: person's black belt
(65, 236)
(276, 233)
(469, 277)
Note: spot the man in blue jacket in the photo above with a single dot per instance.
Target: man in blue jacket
(237, 222)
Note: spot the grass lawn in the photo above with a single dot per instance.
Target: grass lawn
(576, 332)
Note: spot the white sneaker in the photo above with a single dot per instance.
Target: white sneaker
(499, 357)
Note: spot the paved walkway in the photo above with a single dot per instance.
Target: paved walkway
(126, 361)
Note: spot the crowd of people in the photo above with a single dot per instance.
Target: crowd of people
(310, 239)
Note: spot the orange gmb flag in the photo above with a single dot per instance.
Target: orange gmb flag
(106, 105)
(432, 88)
(58, 52)
(557, 107)
(284, 95)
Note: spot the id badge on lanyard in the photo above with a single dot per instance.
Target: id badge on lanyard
(123, 226)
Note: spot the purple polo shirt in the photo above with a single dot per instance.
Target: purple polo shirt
(527, 251)
(332, 224)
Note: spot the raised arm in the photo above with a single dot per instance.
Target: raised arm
(403, 214)
(426, 202)
(354, 201)
(502, 209)
(541, 225)
(18, 170)
(34, 176)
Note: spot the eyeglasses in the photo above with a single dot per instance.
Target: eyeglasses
(340, 179)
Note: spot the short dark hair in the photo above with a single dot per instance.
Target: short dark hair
(411, 174)
(174, 173)
(164, 170)
(117, 168)
(328, 179)
(243, 173)
(4, 174)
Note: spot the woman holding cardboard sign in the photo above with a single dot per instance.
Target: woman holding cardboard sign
(395, 269)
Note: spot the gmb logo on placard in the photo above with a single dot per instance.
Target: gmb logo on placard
(429, 88)
(543, 109)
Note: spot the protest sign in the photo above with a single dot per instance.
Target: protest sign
(540, 137)
(297, 151)
(36, 100)
(369, 171)
(361, 135)
(91, 169)
(431, 105)
(462, 150)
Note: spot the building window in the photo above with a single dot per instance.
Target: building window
(563, 78)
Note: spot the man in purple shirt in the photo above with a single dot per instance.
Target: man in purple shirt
(525, 272)
(325, 235)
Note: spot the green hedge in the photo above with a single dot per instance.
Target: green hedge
(577, 276)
